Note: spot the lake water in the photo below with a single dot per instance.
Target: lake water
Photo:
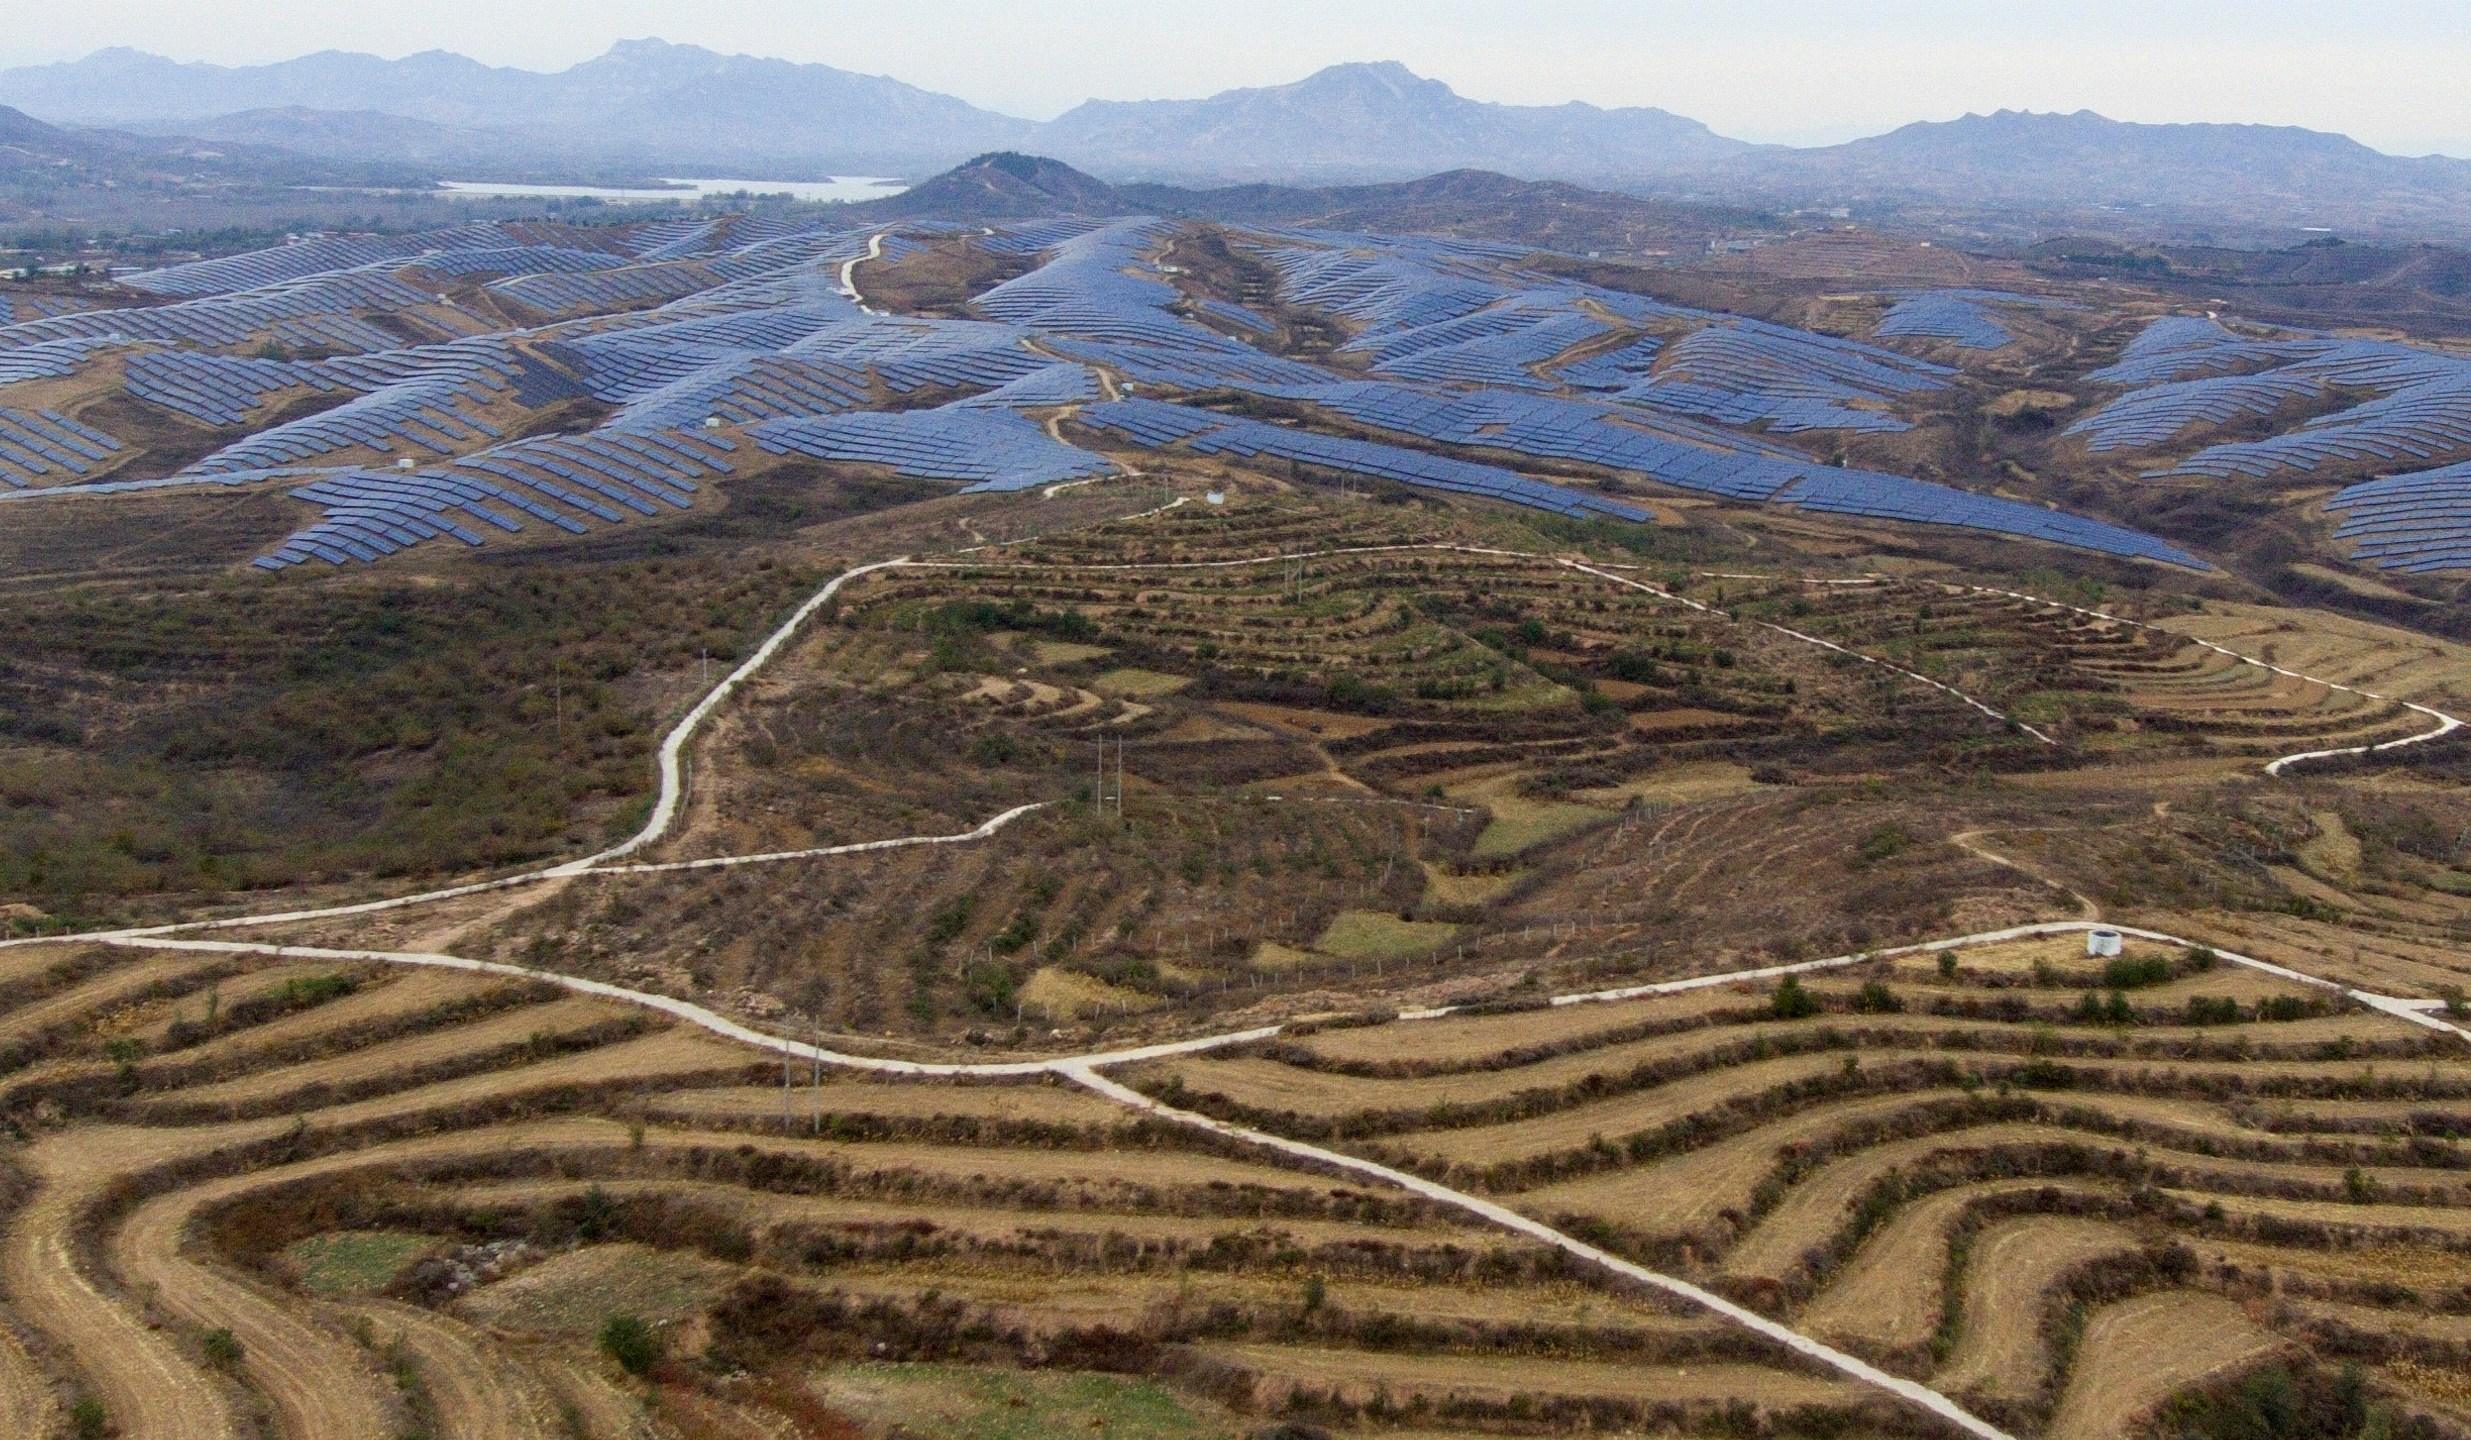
(838, 187)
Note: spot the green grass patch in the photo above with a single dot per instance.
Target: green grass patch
(355, 1262)
(1138, 684)
(576, 1293)
(1066, 652)
(1372, 935)
(1443, 888)
(967, 1402)
(1520, 822)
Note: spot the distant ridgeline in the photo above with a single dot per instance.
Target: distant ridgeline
(396, 382)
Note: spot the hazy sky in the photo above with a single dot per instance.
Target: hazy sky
(2390, 72)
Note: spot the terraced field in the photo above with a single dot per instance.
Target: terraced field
(277, 1195)
(1283, 743)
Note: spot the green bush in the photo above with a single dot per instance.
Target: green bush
(1791, 1001)
(2289, 1007)
(2134, 972)
(2282, 1402)
(633, 1344)
(1877, 999)
(221, 1347)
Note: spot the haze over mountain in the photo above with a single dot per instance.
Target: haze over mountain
(643, 101)
(37, 155)
(1373, 121)
(651, 107)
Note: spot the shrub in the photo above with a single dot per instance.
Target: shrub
(87, 1419)
(1877, 999)
(2282, 1402)
(221, 1347)
(2212, 1010)
(1791, 1001)
(2134, 972)
(1882, 843)
(629, 1341)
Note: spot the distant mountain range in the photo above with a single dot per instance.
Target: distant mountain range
(1474, 204)
(34, 155)
(647, 107)
(643, 103)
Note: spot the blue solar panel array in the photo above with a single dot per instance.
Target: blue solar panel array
(320, 255)
(1615, 369)
(1873, 496)
(14, 308)
(2178, 346)
(1961, 316)
(991, 447)
(1092, 307)
(45, 359)
(214, 389)
(1748, 372)
(2421, 411)
(2157, 415)
(229, 320)
(697, 329)
(38, 443)
(1154, 422)
(559, 480)
(1059, 384)
(2414, 523)
(1943, 316)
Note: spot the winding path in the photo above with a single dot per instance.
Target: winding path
(849, 272)
(2446, 724)
(673, 745)
(1086, 1069)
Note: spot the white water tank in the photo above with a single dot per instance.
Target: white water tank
(2102, 942)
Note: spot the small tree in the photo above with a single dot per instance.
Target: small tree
(222, 1348)
(1877, 999)
(633, 1344)
(1792, 1002)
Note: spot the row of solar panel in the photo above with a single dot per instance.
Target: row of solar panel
(1154, 422)
(36, 443)
(2156, 415)
(2414, 523)
(324, 254)
(557, 479)
(224, 319)
(992, 448)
